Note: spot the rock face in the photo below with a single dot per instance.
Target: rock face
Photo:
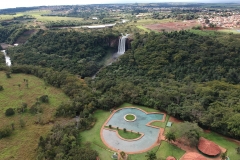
(113, 43)
(128, 43)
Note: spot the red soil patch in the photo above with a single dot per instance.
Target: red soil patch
(173, 26)
(207, 131)
(175, 120)
(171, 158)
(193, 156)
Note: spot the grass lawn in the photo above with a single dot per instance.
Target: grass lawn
(214, 33)
(38, 15)
(161, 124)
(143, 28)
(23, 142)
(152, 21)
(93, 135)
(128, 134)
(130, 117)
(204, 33)
(6, 17)
(158, 124)
(166, 149)
(141, 156)
(223, 142)
(234, 31)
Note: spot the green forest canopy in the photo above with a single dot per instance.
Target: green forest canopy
(192, 77)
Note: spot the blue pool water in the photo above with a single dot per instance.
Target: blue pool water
(139, 125)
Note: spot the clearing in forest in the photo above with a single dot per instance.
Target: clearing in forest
(173, 26)
(23, 141)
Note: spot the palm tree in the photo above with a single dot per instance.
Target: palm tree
(170, 136)
(151, 156)
(224, 155)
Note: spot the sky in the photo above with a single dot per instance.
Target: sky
(29, 3)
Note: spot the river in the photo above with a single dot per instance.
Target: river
(7, 58)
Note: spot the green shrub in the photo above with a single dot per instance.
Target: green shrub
(238, 150)
(9, 112)
(36, 108)
(8, 74)
(44, 99)
(124, 129)
(5, 132)
(110, 126)
(1, 88)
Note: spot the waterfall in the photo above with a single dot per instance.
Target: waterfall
(7, 58)
(122, 44)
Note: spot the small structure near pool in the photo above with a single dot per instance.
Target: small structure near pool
(169, 124)
(208, 147)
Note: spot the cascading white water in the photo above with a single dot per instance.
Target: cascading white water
(7, 58)
(122, 44)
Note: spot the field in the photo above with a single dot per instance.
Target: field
(234, 31)
(38, 15)
(6, 17)
(172, 26)
(23, 142)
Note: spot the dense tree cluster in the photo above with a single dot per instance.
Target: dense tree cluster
(10, 34)
(9, 112)
(5, 132)
(191, 77)
(187, 133)
(64, 143)
(79, 53)
(185, 74)
(2, 58)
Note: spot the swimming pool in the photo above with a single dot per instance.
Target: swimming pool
(149, 138)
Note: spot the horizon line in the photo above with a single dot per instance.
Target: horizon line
(121, 3)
